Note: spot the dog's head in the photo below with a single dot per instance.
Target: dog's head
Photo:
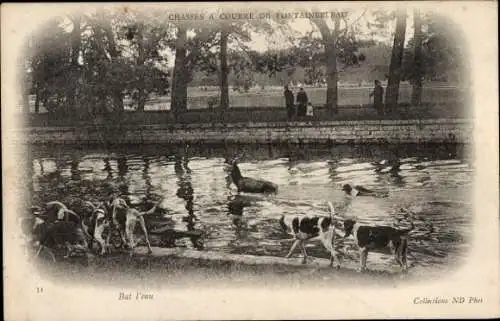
(88, 212)
(119, 203)
(88, 207)
(348, 226)
(347, 188)
(55, 210)
(335, 220)
(100, 217)
(39, 228)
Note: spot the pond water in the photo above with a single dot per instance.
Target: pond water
(434, 182)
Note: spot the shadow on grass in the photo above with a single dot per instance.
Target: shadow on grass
(243, 115)
(176, 271)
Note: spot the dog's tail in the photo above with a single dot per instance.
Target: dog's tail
(282, 223)
(62, 208)
(331, 208)
(57, 203)
(333, 215)
(151, 210)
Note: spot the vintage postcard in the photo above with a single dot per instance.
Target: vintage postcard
(250, 160)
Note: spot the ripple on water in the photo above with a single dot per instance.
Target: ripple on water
(434, 188)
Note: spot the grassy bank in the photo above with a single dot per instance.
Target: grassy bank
(158, 271)
(254, 114)
(197, 98)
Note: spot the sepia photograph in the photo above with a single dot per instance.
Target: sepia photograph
(250, 160)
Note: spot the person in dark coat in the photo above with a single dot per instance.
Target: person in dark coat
(302, 101)
(378, 94)
(290, 108)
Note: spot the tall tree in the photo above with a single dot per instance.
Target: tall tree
(74, 72)
(330, 42)
(224, 70)
(416, 95)
(395, 67)
(146, 37)
(191, 54)
(339, 44)
(178, 100)
(114, 53)
(238, 33)
(50, 63)
(141, 90)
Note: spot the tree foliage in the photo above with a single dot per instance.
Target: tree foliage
(95, 62)
(108, 64)
(442, 51)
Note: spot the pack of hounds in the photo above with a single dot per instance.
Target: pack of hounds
(77, 228)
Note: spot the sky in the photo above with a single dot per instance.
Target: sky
(261, 42)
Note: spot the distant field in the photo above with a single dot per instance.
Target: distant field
(273, 97)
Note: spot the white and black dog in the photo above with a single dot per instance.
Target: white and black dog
(125, 219)
(358, 190)
(98, 224)
(381, 239)
(305, 228)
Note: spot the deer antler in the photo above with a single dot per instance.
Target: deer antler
(238, 157)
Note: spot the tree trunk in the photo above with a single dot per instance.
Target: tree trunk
(179, 80)
(26, 93)
(26, 99)
(116, 93)
(37, 98)
(416, 94)
(224, 71)
(99, 93)
(392, 91)
(141, 94)
(331, 68)
(74, 72)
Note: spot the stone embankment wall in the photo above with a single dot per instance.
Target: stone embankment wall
(330, 132)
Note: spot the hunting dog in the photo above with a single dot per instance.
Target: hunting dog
(93, 219)
(59, 234)
(359, 190)
(381, 239)
(56, 225)
(305, 228)
(97, 223)
(58, 211)
(125, 219)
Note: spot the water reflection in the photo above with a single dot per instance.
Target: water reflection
(107, 168)
(123, 186)
(147, 177)
(122, 166)
(75, 173)
(235, 208)
(185, 190)
(431, 181)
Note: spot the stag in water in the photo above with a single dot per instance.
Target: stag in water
(248, 184)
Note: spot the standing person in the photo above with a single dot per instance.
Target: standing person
(302, 101)
(290, 108)
(378, 94)
(310, 110)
